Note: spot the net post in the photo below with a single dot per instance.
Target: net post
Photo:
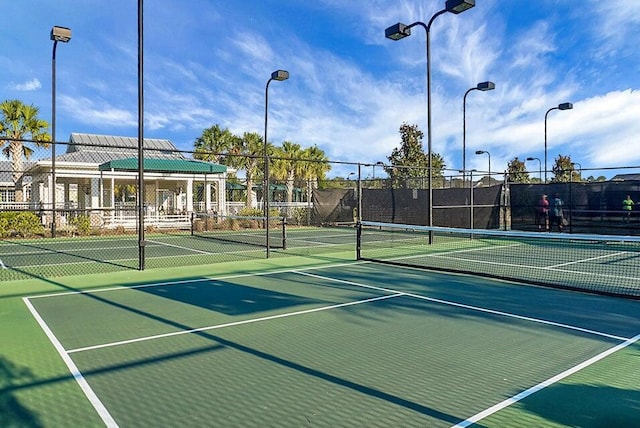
(358, 239)
(192, 221)
(284, 233)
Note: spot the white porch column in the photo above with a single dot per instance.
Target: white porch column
(95, 193)
(207, 194)
(113, 191)
(190, 195)
(221, 195)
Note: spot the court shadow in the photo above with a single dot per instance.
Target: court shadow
(227, 297)
(12, 412)
(586, 406)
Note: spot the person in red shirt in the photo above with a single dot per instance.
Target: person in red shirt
(543, 213)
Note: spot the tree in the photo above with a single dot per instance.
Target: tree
(517, 171)
(20, 122)
(215, 143)
(564, 170)
(287, 166)
(409, 161)
(315, 165)
(252, 150)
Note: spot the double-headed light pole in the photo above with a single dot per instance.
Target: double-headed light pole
(278, 75)
(58, 34)
(563, 106)
(400, 31)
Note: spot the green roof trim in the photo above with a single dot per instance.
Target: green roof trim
(180, 166)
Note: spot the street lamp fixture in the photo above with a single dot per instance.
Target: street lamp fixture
(278, 75)
(379, 163)
(482, 86)
(58, 34)
(400, 31)
(563, 106)
(539, 166)
(573, 164)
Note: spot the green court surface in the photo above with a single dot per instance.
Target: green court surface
(313, 341)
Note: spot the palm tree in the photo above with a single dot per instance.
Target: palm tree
(315, 167)
(20, 122)
(251, 149)
(214, 143)
(288, 166)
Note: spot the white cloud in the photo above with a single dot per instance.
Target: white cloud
(30, 85)
(102, 116)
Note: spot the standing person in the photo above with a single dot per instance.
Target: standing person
(543, 212)
(627, 206)
(556, 214)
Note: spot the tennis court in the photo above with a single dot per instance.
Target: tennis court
(349, 344)
(77, 255)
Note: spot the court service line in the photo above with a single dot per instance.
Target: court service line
(77, 375)
(163, 244)
(524, 394)
(190, 281)
(233, 324)
(590, 259)
(549, 268)
(471, 307)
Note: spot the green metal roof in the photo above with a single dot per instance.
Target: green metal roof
(184, 166)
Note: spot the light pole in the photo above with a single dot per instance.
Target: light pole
(563, 106)
(58, 34)
(579, 169)
(481, 152)
(470, 196)
(539, 166)
(278, 75)
(483, 86)
(400, 31)
(374, 168)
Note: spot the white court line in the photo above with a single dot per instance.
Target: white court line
(587, 260)
(188, 281)
(509, 401)
(474, 308)
(232, 324)
(77, 375)
(548, 268)
(178, 246)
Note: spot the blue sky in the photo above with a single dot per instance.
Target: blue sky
(207, 62)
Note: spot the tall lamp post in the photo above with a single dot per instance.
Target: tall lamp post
(563, 106)
(539, 166)
(400, 31)
(483, 86)
(379, 163)
(481, 152)
(58, 34)
(278, 75)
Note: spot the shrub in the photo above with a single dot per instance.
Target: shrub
(20, 223)
(82, 224)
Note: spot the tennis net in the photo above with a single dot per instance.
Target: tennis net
(248, 230)
(604, 264)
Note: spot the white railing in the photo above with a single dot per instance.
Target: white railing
(178, 221)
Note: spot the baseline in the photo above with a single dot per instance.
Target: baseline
(524, 394)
